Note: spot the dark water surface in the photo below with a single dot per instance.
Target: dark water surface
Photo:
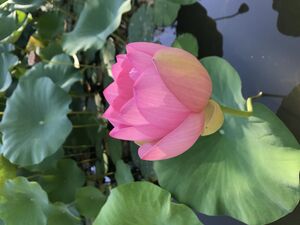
(261, 39)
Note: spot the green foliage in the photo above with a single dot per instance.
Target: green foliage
(165, 12)
(50, 24)
(7, 171)
(187, 42)
(143, 203)
(88, 34)
(34, 124)
(123, 173)
(7, 61)
(27, 5)
(254, 161)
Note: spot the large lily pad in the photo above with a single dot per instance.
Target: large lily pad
(143, 203)
(60, 70)
(7, 61)
(35, 122)
(12, 25)
(248, 170)
(23, 203)
(89, 34)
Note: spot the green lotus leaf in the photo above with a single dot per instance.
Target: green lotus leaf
(59, 214)
(248, 170)
(6, 47)
(7, 170)
(143, 203)
(62, 182)
(114, 149)
(60, 70)
(89, 34)
(35, 122)
(165, 12)
(187, 42)
(52, 49)
(183, 2)
(89, 200)
(12, 25)
(26, 5)
(23, 203)
(123, 173)
(141, 25)
(7, 61)
(50, 24)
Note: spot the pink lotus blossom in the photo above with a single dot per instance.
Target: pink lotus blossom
(157, 99)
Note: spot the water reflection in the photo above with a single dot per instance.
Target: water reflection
(288, 21)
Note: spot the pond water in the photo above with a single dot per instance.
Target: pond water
(262, 42)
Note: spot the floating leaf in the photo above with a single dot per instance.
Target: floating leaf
(60, 70)
(7, 61)
(59, 214)
(89, 200)
(23, 203)
(50, 24)
(12, 25)
(289, 111)
(143, 203)
(7, 170)
(141, 25)
(165, 12)
(187, 42)
(92, 35)
(62, 182)
(123, 173)
(26, 5)
(248, 170)
(35, 122)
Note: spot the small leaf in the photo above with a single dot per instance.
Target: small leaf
(7, 170)
(92, 35)
(123, 173)
(187, 42)
(89, 200)
(143, 203)
(165, 12)
(114, 149)
(141, 25)
(35, 122)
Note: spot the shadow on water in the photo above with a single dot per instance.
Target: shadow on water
(194, 19)
(288, 22)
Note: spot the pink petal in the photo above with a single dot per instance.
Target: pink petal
(156, 103)
(122, 64)
(176, 142)
(111, 92)
(185, 77)
(138, 59)
(145, 133)
(146, 47)
(131, 115)
(113, 116)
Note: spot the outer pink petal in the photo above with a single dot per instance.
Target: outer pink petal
(145, 133)
(122, 64)
(113, 116)
(146, 47)
(111, 92)
(176, 142)
(184, 75)
(156, 103)
(131, 115)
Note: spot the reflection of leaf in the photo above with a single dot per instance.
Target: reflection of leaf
(187, 42)
(248, 170)
(7, 61)
(25, 203)
(26, 5)
(289, 111)
(123, 173)
(141, 25)
(12, 25)
(60, 70)
(62, 182)
(165, 12)
(143, 203)
(88, 34)
(35, 122)
(89, 200)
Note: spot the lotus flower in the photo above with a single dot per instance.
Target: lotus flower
(158, 99)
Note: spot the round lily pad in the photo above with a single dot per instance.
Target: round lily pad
(35, 122)
(248, 170)
(143, 203)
